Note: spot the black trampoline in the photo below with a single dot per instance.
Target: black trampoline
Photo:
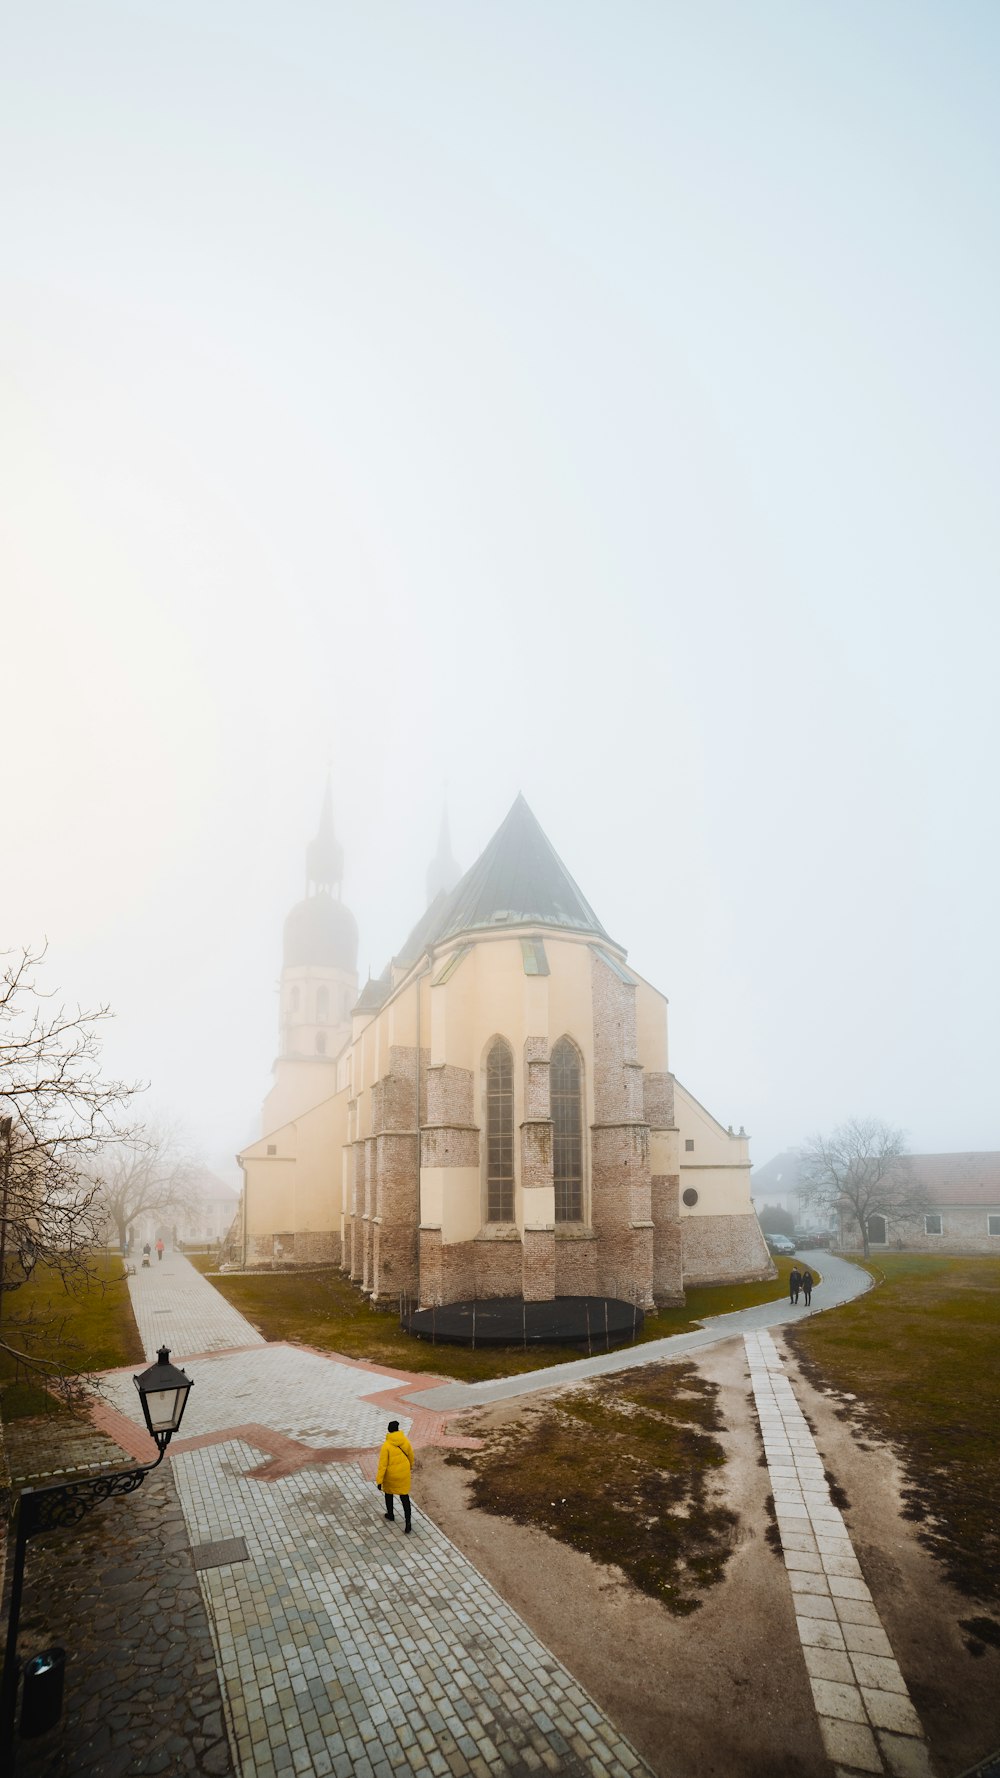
(594, 1322)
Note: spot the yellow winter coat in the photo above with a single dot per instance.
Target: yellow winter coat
(394, 1464)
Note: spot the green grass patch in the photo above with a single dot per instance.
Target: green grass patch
(622, 1470)
(920, 1355)
(87, 1327)
(325, 1309)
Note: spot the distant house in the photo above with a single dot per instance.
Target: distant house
(213, 1205)
(960, 1212)
(777, 1182)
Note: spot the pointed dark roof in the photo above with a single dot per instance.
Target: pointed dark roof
(325, 854)
(519, 880)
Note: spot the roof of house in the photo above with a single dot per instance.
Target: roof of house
(971, 1179)
(780, 1174)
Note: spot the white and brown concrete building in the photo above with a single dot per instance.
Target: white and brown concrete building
(500, 1117)
(956, 1208)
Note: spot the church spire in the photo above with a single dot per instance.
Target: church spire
(325, 854)
(442, 872)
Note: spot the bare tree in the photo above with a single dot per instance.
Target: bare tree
(860, 1170)
(57, 1113)
(147, 1175)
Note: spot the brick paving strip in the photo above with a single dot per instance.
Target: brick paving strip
(866, 1718)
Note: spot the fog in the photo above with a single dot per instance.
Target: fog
(593, 401)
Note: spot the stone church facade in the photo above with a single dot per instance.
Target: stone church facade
(500, 1117)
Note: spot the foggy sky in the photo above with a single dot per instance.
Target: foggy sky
(598, 401)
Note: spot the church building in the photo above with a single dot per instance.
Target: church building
(495, 1114)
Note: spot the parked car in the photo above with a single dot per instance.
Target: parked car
(780, 1244)
(811, 1238)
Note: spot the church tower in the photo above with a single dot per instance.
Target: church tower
(319, 981)
(442, 872)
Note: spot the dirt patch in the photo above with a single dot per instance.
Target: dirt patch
(926, 1617)
(720, 1693)
(624, 1469)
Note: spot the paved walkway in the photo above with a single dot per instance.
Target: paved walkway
(343, 1646)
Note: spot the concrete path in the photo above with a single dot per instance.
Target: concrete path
(842, 1282)
(343, 1646)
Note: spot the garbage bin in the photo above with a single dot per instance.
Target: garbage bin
(42, 1695)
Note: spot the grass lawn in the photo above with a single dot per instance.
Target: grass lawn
(635, 1454)
(920, 1354)
(80, 1329)
(324, 1309)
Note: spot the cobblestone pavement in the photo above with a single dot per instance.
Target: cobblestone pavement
(344, 1646)
(119, 1592)
(865, 1715)
(348, 1648)
(174, 1306)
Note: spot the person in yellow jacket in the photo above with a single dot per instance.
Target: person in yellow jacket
(395, 1462)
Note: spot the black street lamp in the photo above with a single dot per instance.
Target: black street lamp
(163, 1391)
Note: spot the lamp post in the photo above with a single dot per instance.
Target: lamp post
(163, 1392)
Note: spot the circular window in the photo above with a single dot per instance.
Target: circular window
(690, 1196)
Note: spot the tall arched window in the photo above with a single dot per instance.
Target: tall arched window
(321, 1043)
(566, 1088)
(294, 1002)
(322, 1006)
(500, 1133)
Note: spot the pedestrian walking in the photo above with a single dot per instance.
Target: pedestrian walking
(794, 1283)
(807, 1286)
(159, 1246)
(395, 1463)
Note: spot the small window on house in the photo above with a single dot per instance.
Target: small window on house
(272, 1148)
(500, 1133)
(993, 1225)
(690, 1197)
(689, 1144)
(932, 1224)
(321, 1043)
(323, 1006)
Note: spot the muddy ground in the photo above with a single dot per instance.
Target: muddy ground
(724, 1693)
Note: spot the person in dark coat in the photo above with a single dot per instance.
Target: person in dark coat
(395, 1463)
(794, 1283)
(807, 1286)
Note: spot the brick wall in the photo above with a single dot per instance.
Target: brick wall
(575, 1264)
(668, 1274)
(962, 1231)
(538, 1266)
(717, 1249)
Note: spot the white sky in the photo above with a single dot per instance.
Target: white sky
(594, 400)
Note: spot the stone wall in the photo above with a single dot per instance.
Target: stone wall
(722, 1249)
(310, 1247)
(668, 1271)
(621, 1208)
(962, 1231)
(575, 1263)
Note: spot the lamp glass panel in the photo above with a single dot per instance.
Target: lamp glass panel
(164, 1408)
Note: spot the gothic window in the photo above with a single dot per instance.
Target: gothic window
(500, 1133)
(322, 1006)
(321, 1043)
(293, 1004)
(566, 1087)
